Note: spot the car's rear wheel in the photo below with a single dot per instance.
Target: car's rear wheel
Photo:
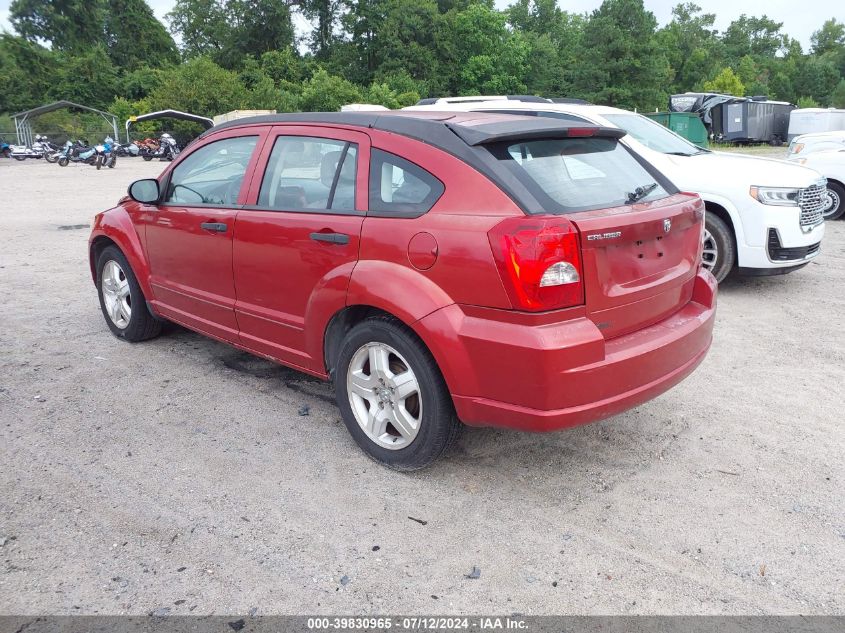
(718, 254)
(392, 396)
(835, 207)
(122, 300)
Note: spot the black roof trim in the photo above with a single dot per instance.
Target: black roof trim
(570, 100)
(519, 131)
(527, 98)
(444, 131)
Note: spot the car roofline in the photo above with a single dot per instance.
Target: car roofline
(457, 133)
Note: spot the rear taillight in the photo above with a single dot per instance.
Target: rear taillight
(539, 260)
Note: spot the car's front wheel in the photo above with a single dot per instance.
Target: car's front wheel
(718, 254)
(392, 396)
(122, 300)
(835, 207)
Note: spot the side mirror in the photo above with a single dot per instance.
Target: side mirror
(145, 191)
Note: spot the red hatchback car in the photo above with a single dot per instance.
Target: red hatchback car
(439, 268)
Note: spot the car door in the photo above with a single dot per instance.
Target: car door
(189, 236)
(296, 241)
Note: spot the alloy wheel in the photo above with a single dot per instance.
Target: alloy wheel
(832, 204)
(117, 297)
(384, 395)
(710, 252)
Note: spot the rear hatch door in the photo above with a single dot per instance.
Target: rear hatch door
(639, 261)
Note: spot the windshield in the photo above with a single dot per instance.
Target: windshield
(578, 174)
(653, 135)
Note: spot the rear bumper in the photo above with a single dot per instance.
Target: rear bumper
(546, 377)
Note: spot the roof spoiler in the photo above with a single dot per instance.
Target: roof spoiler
(537, 129)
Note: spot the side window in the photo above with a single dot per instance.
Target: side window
(398, 187)
(309, 173)
(212, 175)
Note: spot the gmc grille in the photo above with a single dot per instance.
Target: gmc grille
(812, 201)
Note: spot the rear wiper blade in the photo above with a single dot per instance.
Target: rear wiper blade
(641, 192)
(682, 153)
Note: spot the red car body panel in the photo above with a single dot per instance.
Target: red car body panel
(266, 287)
(558, 371)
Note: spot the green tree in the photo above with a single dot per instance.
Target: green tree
(326, 15)
(202, 26)
(817, 77)
(404, 39)
(199, 86)
(621, 62)
(726, 82)
(807, 102)
(837, 97)
(65, 24)
(327, 93)
(691, 46)
(758, 37)
(139, 83)
(828, 39)
(553, 37)
(88, 78)
(27, 71)
(136, 38)
(488, 57)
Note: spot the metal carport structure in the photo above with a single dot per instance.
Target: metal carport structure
(168, 114)
(23, 128)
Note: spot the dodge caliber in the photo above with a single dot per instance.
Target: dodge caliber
(439, 269)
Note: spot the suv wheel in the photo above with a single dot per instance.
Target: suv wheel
(835, 207)
(121, 300)
(392, 396)
(719, 254)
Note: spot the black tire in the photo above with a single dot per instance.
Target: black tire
(142, 325)
(723, 239)
(51, 158)
(98, 162)
(147, 157)
(18, 157)
(63, 161)
(439, 427)
(112, 162)
(837, 194)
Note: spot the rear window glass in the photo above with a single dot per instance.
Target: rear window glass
(578, 174)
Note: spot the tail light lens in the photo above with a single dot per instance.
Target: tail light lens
(539, 260)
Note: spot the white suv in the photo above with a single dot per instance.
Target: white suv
(764, 216)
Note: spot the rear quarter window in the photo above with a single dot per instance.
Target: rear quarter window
(578, 174)
(400, 188)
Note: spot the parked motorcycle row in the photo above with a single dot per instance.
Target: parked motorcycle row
(100, 155)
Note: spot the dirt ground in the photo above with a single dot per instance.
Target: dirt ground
(177, 475)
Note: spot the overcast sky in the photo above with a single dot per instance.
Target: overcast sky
(800, 18)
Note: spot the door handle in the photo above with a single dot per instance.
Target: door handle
(331, 238)
(217, 227)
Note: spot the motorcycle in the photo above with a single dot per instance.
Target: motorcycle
(126, 150)
(79, 152)
(41, 148)
(106, 154)
(164, 149)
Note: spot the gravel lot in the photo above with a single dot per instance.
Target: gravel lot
(177, 474)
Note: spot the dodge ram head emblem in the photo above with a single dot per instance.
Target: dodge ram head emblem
(667, 225)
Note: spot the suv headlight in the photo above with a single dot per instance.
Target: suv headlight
(796, 148)
(778, 196)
